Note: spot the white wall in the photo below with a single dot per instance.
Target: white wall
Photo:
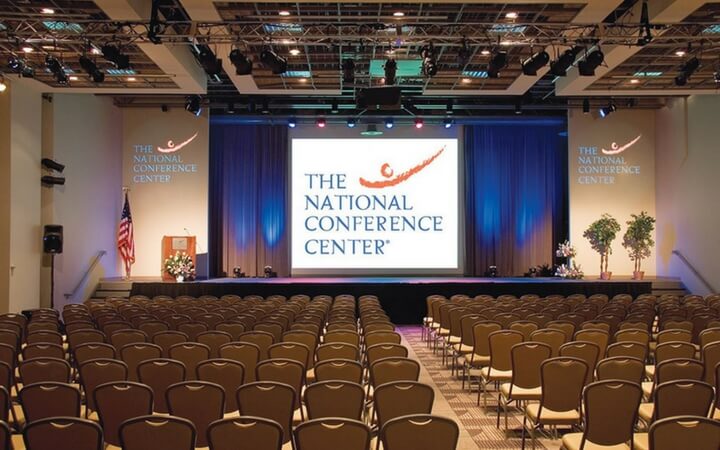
(86, 136)
(688, 159)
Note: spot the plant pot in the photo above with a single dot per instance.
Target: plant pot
(638, 275)
(179, 278)
(605, 275)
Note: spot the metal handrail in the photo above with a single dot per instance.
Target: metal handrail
(94, 263)
(694, 271)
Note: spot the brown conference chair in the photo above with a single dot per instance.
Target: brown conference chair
(401, 398)
(49, 399)
(678, 398)
(93, 350)
(166, 339)
(245, 433)
(499, 368)
(284, 371)
(691, 432)
(43, 350)
(198, 401)
(63, 433)
(214, 340)
(136, 353)
(339, 370)
(585, 351)
(332, 434)
(159, 374)
(525, 383)
(224, 372)
(157, 433)
(96, 372)
(262, 339)
(117, 402)
(190, 354)
(334, 399)
(269, 400)
(420, 432)
(629, 349)
(246, 353)
(551, 337)
(337, 351)
(38, 370)
(621, 368)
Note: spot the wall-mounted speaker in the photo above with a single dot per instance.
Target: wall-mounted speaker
(53, 239)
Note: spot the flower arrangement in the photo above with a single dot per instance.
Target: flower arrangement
(180, 266)
(571, 271)
(638, 239)
(566, 250)
(601, 234)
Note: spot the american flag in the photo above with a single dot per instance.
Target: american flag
(126, 240)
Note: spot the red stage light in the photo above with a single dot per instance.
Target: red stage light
(418, 123)
(320, 123)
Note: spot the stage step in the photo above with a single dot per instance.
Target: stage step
(112, 288)
(673, 286)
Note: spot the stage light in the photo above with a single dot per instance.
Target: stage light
(586, 106)
(485, 52)
(586, 67)
(292, 123)
(390, 68)
(3, 86)
(334, 107)
(238, 273)
(91, 68)
(448, 122)
(716, 77)
(52, 165)
(27, 49)
(464, 54)
(113, 55)
(265, 106)
(47, 11)
(429, 64)
(57, 69)
(15, 63)
(321, 123)
(193, 104)
(389, 123)
(398, 14)
(518, 107)
(211, 64)
(371, 130)
(537, 61)
(294, 51)
(491, 272)
(284, 13)
(351, 123)
(686, 71)
(231, 108)
(496, 64)
(243, 66)
(560, 66)
(273, 61)
(155, 27)
(348, 70)
(511, 15)
(607, 110)
(645, 33)
(52, 181)
(419, 123)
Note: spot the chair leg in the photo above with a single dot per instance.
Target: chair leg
(524, 424)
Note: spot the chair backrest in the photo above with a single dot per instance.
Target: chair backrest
(598, 337)
(4, 404)
(391, 369)
(159, 374)
(246, 353)
(38, 370)
(586, 351)
(44, 337)
(225, 372)
(157, 433)
(525, 327)
(234, 329)
(5, 436)
(98, 371)
(214, 340)
(282, 371)
(501, 343)
(262, 339)
(85, 336)
(691, 432)
(551, 337)
(337, 351)
(420, 432)
(347, 337)
(63, 433)
(401, 398)
(526, 359)
(679, 369)
(290, 350)
(382, 337)
(153, 327)
(566, 326)
(624, 368)
(192, 329)
(674, 335)
(633, 335)
(708, 336)
(332, 434)
(43, 350)
(334, 399)
(245, 433)
(610, 411)
(674, 349)
(682, 398)
(134, 354)
(117, 402)
(339, 370)
(198, 401)
(190, 354)
(711, 358)
(562, 380)
(269, 400)
(628, 348)
(121, 338)
(49, 399)
(166, 339)
(379, 351)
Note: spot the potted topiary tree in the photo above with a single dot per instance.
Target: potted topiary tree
(638, 240)
(601, 234)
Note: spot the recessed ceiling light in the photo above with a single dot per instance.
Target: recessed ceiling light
(131, 79)
(27, 49)
(466, 80)
(485, 52)
(382, 80)
(294, 51)
(303, 80)
(47, 11)
(511, 15)
(634, 81)
(680, 53)
(284, 13)
(399, 14)
(72, 78)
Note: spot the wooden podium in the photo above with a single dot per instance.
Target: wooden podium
(173, 244)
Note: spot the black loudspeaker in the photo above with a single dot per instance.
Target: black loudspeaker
(379, 98)
(53, 239)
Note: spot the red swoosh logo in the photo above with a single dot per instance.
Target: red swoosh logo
(387, 172)
(172, 147)
(617, 149)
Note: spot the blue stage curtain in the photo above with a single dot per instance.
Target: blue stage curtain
(516, 185)
(249, 204)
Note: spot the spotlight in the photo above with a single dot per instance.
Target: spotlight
(560, 66)
(518, 107)
(193, 104)
(389, 123)
(592, 60)
(334, 107)
(496, 64)
(154, 28)
(429, 64)
(716, 77)
(52, 181)
(211, 64)
(3, 86)
(265, 106)
(449, 106)
(491, 272)
(645, 33)
(113, 54)
(292, 123)
(230, 108)
(16, 64)
(537, 61)
(448, 122)
(273, 61)
(351, 123)
(52, 165)
(57, 69)
(586, 106)
(91, 68)
(686, 71)
(390, 71)
(348, 70)
(371, 130)
(419, 123)
(243, 66)
(607, 110)
(320, 122)
(464, 54)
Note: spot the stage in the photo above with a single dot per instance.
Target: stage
(402, 297)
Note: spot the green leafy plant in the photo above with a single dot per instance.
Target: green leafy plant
(601, 234)
(638, 238)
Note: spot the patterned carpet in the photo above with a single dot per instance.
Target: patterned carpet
(480, 426)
